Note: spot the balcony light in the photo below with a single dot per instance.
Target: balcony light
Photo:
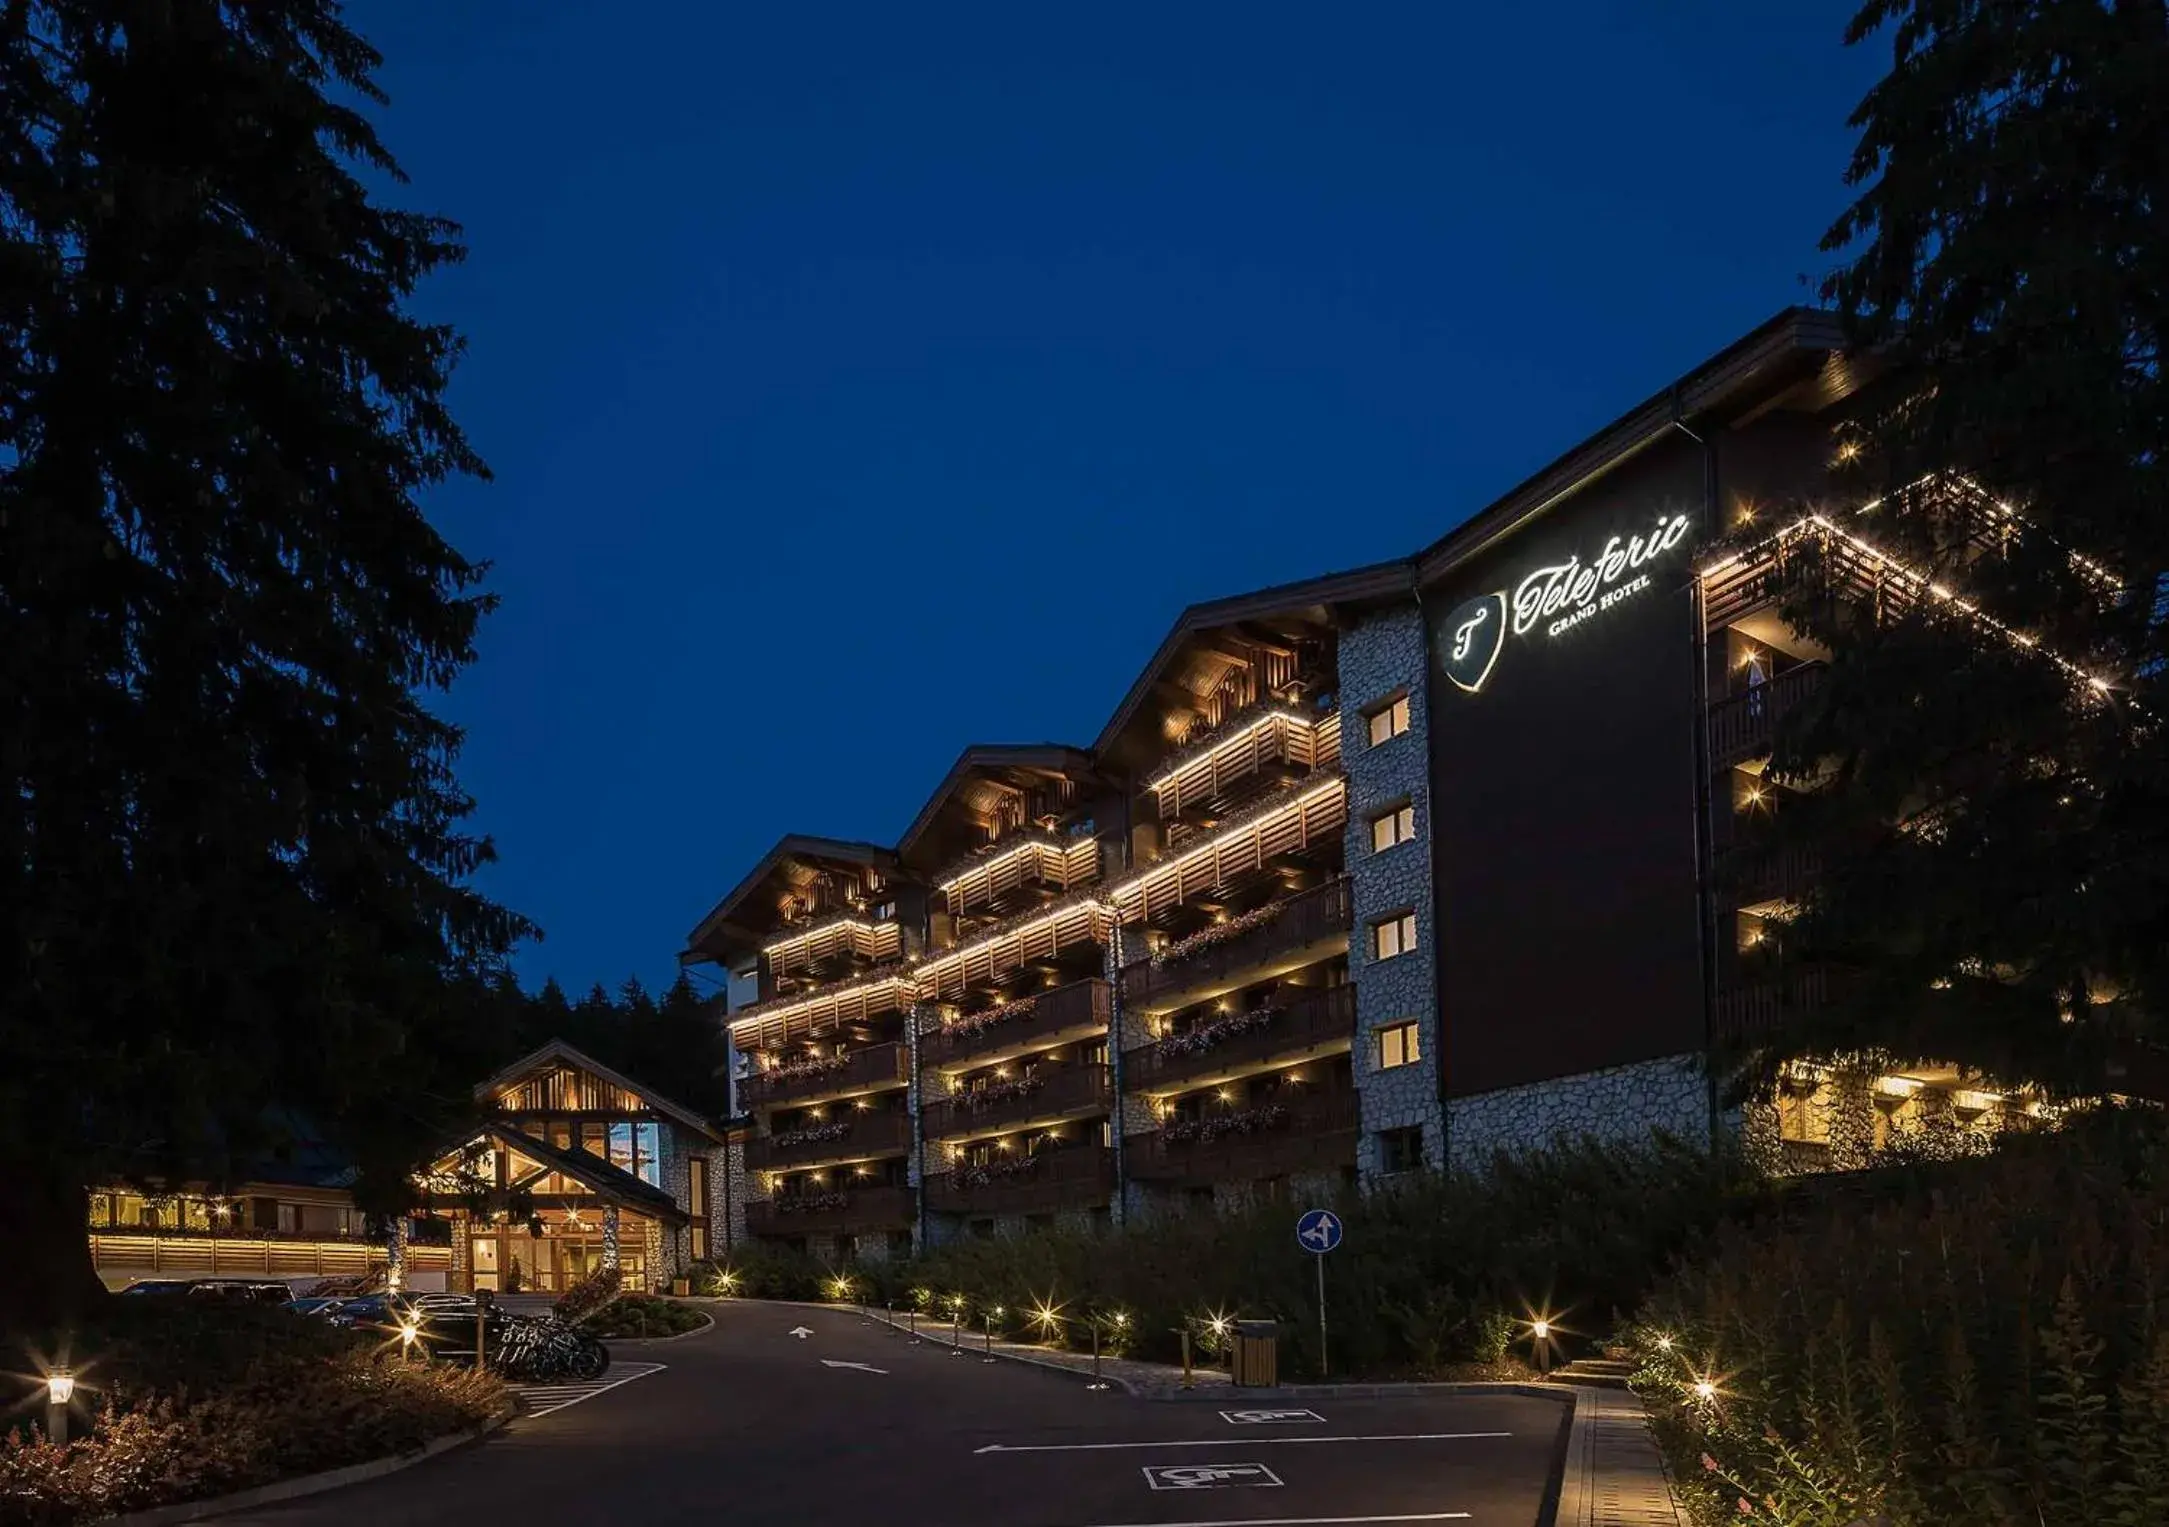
(1270, 718)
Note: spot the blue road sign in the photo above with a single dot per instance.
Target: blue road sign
(1319, 1231)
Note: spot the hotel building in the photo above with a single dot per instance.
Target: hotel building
(1372, 872)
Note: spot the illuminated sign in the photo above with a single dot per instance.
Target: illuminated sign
(1572, 590)
(1558, 598)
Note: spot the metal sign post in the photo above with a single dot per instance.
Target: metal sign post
(1318, 1232)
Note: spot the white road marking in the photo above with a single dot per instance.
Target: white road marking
(800, 1332)
(830, 1362)
(1211, 1476)
(1307, 1521)
(1103, 1447)
(545, 1399)
(1270, 1417)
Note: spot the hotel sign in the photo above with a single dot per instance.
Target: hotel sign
(1557, 598)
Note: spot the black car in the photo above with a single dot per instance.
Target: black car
(240, 1292)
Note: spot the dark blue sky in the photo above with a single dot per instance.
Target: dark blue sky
(825, 353)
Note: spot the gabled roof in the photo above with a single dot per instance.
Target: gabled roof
(1800, 351)
(557, 1052)
(1316, 598)
(989, 760)
(611, 1183)
(721, 932)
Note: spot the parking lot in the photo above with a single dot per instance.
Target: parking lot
(853, 1423)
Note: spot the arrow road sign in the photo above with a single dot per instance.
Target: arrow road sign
(1319, 1231)
(830, 1362)
(800, 1332)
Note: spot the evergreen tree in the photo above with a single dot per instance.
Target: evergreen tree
(233, 870)
(2008, 257)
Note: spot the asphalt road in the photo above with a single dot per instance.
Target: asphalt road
(748, 1424)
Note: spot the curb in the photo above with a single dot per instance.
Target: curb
(658, 1341)
(304, 1484)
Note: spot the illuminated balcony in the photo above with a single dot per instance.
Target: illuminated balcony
(846, 1135)
(1260, 746)
(1742, 726)
(846, 1210)
(1076, 1011)
(783, 1021)
(834, 949)
(1019, 872)
(1316, 1136)
(1055, 1093)
(1077, 1178)
(265, 1253)
(1283, 936)
(1304, 1025)
(872, 1069)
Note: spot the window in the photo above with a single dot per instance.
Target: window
(1400, 1150)
(648, 1154)
(1393, 936)
(696, 1186)
(1389, 721)
(700, 1242)
(1392, 827)
(1398, 1045)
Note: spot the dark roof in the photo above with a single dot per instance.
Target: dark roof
(1380, 580)
(559, 1051)
(609, 1182)
(716, 936)
(984, 760)
(1786, 350)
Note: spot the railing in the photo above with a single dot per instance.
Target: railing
(1290, 928)
(1065, 1179)
(1303, 1024)
(1751, 873)
(1061, 1090)
(1318, 1135)
(1742, 725)
(168, 1251)
(1755, 1009)
(867, 1070)
(874, 1133)
(826, 1213)
(1079, 1006)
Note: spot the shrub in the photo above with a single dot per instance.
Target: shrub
(194, 1400)
(1979, 1341)
(636, 1315)
(762, 1270)
(589, 1294)
(1428, 1280)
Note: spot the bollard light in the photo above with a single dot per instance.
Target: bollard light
(1705, 1390)
(59, 1386)
(1541, 1329)
(1664, 1344)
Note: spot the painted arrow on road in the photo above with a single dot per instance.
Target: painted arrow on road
(830, 1362)
(801, 1332)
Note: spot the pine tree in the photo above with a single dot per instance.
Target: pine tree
(2007, 269)
(233, 866)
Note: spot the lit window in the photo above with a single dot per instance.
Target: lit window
(1394, 936)
(1398, 1045)
(1392, 827)
(1389, 721)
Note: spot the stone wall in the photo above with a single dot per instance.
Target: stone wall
(1385, 656)
(1621, 1103)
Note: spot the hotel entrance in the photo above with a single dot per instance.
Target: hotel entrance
(513, 1258)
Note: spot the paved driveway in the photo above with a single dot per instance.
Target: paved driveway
(854, 1424)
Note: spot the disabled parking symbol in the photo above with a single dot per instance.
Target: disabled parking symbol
(1210, 1476)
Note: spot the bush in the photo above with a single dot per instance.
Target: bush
(636, 1315)
(761, 1270)
(1982, 1341)
(589, 1294)
(1429, 1280)
(195, 1400)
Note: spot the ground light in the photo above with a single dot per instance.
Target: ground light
(727, 1282)
(59, 1390)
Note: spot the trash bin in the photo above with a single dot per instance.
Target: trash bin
(1254, 1361)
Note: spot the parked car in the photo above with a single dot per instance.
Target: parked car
(241, 1292)
(146, 1287)
(322, 1308)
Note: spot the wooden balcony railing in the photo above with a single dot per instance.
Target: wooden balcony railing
(1301, 928)
(847, 1210)
(1065, 1179)
(848, 1135)
(1080, 1008)
(1751, 873)
(867, 1070)
(177, 1252)
(1061, 1091)
(1303, 1025)
(1752, 1010)
(1742, 725)
(1318, 1135)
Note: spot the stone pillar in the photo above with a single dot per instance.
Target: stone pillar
(610, 1237)
(395, 1255)
(1852, 1119)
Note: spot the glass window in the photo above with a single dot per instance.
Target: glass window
(700, 1243)
(1389, 721)
(1394, 827)
(696, 1190)
(1400, 1150)
(621, 1146)
(1398, 1045)
(1393, 936)
(648, 1153)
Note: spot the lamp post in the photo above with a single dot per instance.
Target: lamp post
(59, 1390)
(988, 1351)
(1097, 1381)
